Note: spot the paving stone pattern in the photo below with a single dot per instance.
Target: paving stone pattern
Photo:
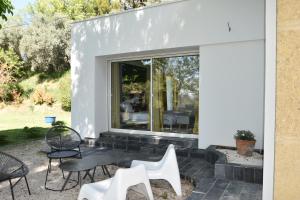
(201, 173)
(196, 165)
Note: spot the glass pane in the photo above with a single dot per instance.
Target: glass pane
(175, 94)
(130, 89)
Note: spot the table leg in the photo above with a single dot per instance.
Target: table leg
(94, 172)
(86, 173)
(63, 187)
(107, 171)
(104, 173)
(79, 179)
(91, 177)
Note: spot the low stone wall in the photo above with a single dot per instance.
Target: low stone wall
(232, 171)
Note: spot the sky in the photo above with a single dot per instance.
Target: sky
(20, 4)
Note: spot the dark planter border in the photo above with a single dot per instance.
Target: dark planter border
(231, 171)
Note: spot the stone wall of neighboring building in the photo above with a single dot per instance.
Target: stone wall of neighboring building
(287, 150)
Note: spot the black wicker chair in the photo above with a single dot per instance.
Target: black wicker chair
(64, 142)
(12, 168)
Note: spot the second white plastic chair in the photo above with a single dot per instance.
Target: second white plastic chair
(116, 187)
(166, 168)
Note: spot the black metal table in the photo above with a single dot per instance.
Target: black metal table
(81, 165)
(59, 155)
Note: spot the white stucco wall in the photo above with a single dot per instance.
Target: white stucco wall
(190, 24)
(231, 92)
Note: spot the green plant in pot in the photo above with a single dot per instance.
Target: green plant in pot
(245, 142)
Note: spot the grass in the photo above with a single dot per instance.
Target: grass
(14, 118)
(18, 136)
(49, 81)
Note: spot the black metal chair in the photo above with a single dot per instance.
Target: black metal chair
(64, 142)
(12, 168)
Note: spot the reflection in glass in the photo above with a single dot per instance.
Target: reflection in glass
(130, 87)
(175, 94)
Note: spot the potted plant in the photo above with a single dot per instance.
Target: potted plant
(245, 142)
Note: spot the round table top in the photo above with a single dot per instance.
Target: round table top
(78, 165)
(63, 154)
(105, 158)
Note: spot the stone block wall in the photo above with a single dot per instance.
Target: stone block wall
(287, 149)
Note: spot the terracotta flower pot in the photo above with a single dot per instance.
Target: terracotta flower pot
(245, 147)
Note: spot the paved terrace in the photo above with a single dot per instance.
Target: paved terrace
(198, 170)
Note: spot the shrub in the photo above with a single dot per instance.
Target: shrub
(59, 123)
(244, 135)
(11, 92)
(11, 67)
(66, 102)
(41, 96)
(3, 139)
(32, 133)
(65, 90)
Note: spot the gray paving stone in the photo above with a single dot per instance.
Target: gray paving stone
(214, 194)
(247, 196)
(251, 188)
(196, 196)
(234, 188)
(221, 184)
(236, 197)
(204, 184)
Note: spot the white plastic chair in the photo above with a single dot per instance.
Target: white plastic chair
(116, 187)
(166, 168)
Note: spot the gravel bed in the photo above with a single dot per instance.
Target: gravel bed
(233, 157)
(38, 162)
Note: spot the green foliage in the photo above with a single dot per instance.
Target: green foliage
(32, 133)
(3, 139)
(6, 8)
(41, 96)
(11, 35)
(11, 92)
(74, 9)
(10, 66)
(46, 43)
(164, 195)
(82, 9)
(19, 135)
(59, 123)
(65, 89)
(244, 135)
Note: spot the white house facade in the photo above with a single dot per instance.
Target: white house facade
(190, 68)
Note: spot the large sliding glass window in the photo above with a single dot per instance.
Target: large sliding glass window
(130, 100)
(175, 94)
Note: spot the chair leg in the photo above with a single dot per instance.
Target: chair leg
(141, 188)
(148, 190)
(48, 171)
(62, 171)
(27, 185)
(176, 185)
(11, 189)
(49, 165)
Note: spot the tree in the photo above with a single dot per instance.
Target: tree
(74, 9)
(11, 35)
(46, 43)
(5, 8)
(10, 66)
(82, 9)
(10, 72)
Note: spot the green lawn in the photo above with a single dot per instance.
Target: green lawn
(13, 119)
